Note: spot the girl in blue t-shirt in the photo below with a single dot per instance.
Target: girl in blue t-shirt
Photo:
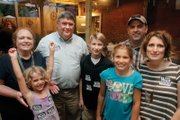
(120, 88)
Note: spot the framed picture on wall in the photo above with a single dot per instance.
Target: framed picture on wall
(28, 10)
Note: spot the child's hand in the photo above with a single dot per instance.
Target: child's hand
(12, 53)
(81, 104)
(53, 87)
(52, 46)
(98, 118)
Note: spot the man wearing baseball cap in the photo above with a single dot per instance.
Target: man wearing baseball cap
(137, 28)
(141, 18)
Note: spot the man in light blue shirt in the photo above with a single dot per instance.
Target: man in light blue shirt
(69, 50)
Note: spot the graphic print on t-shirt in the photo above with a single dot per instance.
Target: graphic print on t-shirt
(120, 91)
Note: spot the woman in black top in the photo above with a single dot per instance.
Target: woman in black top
(12, 104)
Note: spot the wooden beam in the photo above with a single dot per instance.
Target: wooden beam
(88, 19)
(17, 14)
(41, 4)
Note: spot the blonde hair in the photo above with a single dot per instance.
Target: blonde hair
(98, 36)
(29, 74)
(123, 46)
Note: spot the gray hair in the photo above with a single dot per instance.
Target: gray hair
(66, 14)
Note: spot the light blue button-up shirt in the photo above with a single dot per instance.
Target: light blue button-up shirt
(67, 56)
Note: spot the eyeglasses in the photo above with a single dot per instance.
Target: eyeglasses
(149, 96)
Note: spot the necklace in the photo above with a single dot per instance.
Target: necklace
(21, 63)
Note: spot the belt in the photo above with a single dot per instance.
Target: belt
(69, 89)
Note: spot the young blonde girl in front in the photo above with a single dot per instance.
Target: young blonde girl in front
(122, 86)
(34, 87)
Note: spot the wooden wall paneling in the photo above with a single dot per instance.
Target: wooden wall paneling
(50, 19)
(33, 23)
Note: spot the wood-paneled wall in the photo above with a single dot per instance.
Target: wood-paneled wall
(32, 22)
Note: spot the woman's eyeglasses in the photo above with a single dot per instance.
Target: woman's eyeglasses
(149, 96)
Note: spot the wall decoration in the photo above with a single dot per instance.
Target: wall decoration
(53, 15)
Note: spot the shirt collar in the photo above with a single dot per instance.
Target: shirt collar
(62, 39)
